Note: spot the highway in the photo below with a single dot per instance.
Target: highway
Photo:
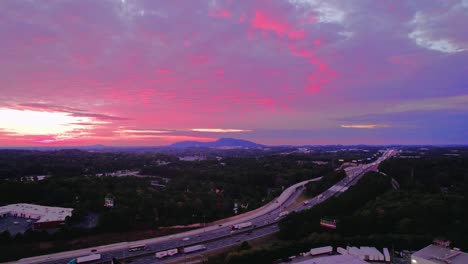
(215, 236)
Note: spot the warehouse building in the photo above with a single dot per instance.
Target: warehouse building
(437, 254)
(336, 259)
(46, 217)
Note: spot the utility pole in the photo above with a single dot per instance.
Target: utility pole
(204, 224)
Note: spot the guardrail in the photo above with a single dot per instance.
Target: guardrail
(274, 222)
(239, 232)
(123, 245)
(152, 252)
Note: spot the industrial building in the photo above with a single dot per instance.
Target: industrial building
(46, 217)
(335, 259)
(348, 255)
(437, 254)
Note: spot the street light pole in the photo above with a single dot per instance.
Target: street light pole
(204, 223)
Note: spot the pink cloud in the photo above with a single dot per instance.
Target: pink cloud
(407, 60)
(163, 71)
(263, 21)
(219, 12)
(199, 59)
(70, 110)
(259, 64)
(320, 76)
(242, 18)
(44, 39)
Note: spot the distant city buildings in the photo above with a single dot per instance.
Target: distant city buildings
(119, 173)
(46, 216)
(192, 158)
(34, 178)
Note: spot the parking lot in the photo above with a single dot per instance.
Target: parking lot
(15, 225)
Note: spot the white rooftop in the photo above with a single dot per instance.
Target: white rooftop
(438, 254)
(336, 259)
(43, 213)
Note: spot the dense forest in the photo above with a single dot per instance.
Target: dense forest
(427, 203)
(189, 191)
(207, 188)
(417, 197)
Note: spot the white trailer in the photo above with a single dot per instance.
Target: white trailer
(88, 258)
(386, 254)
(241, 225)
(378, 255)
(194, 248)
(321, 250)
(284, 213)
(161, 254)
(342, 251)
(137, 247)
(367, 253)
(166, 253)
(354, 251)
(172, 252)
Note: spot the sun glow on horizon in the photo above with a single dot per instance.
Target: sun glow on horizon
(28, 122)
(219, 130)
(365, 126)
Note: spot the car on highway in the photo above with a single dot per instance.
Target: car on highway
(215, 233)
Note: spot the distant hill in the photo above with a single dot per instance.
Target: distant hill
(220, 143)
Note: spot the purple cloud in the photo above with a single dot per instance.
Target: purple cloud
(305, 65)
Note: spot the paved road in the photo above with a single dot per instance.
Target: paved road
(160, 243)
(217, 236)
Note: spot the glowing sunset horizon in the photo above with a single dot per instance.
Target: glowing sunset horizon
(150, 73)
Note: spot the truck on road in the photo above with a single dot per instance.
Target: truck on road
(241, 225)
(85, 259)
(166, 253)
(137, 248)
(284, 213)
(193, 248)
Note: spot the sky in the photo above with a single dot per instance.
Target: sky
(148, 72)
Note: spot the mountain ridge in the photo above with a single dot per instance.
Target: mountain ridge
(222, 142)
